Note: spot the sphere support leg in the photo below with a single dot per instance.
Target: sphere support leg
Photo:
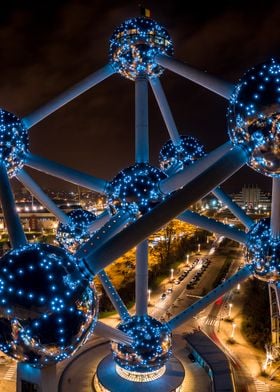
(100, 238)
(104, 330)
(15, 230)
(233, 207)
(211, 225)
(275, 208)
(37, 192)
(141, 278)
(165, 110)
(212, 83)
(113, 295)
(141, 120)
(79, 88)
(65, 173)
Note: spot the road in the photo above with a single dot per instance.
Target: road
(209, 320)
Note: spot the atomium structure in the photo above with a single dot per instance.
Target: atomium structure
(48, 304)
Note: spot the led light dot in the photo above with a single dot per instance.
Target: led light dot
(134, 45)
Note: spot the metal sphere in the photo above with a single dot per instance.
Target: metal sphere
(254, 114)
(136, 187)
(176, 157)
(47, 308)
(13, 141)
(151, 345)
(76, 233)
(134, 45)
(264, 251)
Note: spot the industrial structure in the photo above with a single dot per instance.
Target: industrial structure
(48, 303)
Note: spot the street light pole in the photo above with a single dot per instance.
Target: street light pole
(233, 330)
(171, 275)
(229, 310)
(149, 296)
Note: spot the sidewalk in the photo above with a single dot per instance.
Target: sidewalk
(229, 334)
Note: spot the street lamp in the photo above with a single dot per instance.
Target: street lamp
(149, 296)
(233, 330)
(238, 287)
(269, 357)
(171, 274)
(188, 257)
(229, 310)
(198, 248)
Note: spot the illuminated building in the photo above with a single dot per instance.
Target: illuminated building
(253, 199)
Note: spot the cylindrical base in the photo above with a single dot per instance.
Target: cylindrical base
(108, 380)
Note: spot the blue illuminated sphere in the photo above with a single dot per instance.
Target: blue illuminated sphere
(136, 187)
(254, 114)
(151, 345)
(13, 142)
(76, 233)
(264, 251)
(176, 157)
(47, 308)
(134, 45)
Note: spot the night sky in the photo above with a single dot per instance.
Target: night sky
(47, 46)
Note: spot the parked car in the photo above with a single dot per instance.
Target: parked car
(163, 296)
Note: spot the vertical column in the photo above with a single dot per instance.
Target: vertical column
(141, 120)
(275, 208)
(141, 279)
